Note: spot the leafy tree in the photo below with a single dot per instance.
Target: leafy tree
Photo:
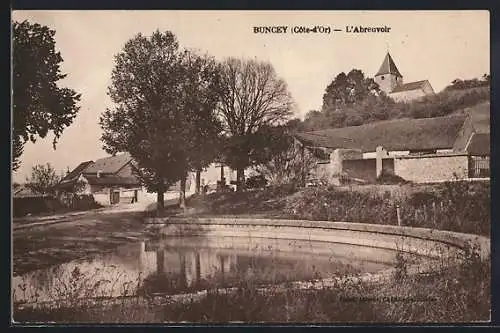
(459, 84)
(315, 120)
(252, 96)
(201, 88)
(350, 100)
(17, 152)
(164, 115)
(43, 179)
(39, 104)
(294, 124)
(348, 89)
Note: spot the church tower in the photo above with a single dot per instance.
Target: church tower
(388, 76)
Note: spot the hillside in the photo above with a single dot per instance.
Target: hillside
(480, 115)
(444, 103)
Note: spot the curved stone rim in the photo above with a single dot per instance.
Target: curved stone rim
(449, 238)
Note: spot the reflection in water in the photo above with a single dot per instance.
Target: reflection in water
(179, 265)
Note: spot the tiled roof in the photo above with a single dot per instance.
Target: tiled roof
(410, 86)
(110, 164)
(396, 134)
(93, 180)
(479, 144)
(480, 115)
(388, 67)
(67, 183)
(77, 171)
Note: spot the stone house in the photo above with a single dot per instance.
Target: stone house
(419, 150)
(109, 180)
(390, 81)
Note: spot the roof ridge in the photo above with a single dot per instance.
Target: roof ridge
(396, 134)
(388, 66)
(381, 122)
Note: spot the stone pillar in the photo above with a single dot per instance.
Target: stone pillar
(336, 159)
(379, 155)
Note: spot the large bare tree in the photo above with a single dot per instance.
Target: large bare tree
(252, 96)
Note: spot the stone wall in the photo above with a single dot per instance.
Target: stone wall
(406, 96)
(431, 168)
(338, 156)
(102, 197)
(360, 169)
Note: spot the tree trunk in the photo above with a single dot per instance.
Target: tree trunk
(240, 177)
(160, 203)
(197, 189)
(160, 261)
(182, 194)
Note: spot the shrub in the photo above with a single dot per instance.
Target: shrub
(456, 206)
(257, 181)
(390, 178)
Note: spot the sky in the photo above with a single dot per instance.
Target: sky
(439, 46)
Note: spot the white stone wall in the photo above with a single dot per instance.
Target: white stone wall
(102, 198)
(211, 174)
(428, 88)
(144, 196)
(388, 82)
(432, 168)
(372, 154)
(406, 96)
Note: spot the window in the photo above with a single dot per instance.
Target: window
(382, 77)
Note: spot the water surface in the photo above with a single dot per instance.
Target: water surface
(179, 265)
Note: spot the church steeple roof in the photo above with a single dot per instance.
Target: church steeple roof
(388, 67)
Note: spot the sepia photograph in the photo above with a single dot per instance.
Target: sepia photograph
(250, 167)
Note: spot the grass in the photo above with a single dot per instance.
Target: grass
(455, 206)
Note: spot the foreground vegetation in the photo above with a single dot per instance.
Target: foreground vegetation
(456, 206)
(460, 293)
